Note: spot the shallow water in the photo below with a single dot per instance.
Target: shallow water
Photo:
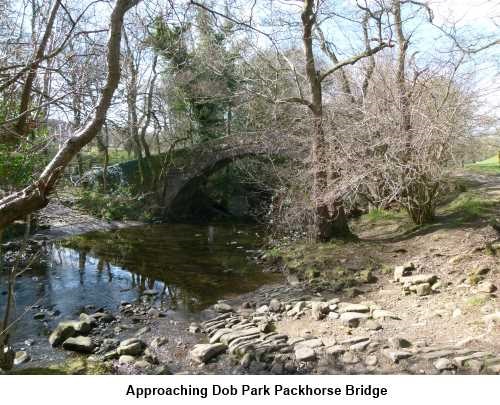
(190, 267)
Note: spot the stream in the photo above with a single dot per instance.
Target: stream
(186, 268)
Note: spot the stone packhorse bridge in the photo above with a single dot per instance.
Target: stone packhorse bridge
(185, 168)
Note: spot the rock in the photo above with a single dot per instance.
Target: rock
(39, 316)
(457, 313)
(150, 292)
(131, 347)
(423, 289)
(347, 307)
(246, 360)
(436, 286)
(383, 314)
(262, 309)
(396, 356)
(277, 369)
(370, 324)
(222, 307)
(399, 343)
(194, 328)
(142, 364)
(486, 287)
(443, 364)
(275, 305)
(335, 350)
(159, 341)
(419, 279)
(304, 353)
(352, 319)
(311, 343)
(402, 271)
(299, 306)
(349, 358)
(371, 360)
(150, 357)
(163, 370)
(126, 359)
(103, 317)
(68, 329)
(202, 353)
(319, 310)
(333, 315)
(143, 331)
(360, 346)
(21, 357)
(81, 344)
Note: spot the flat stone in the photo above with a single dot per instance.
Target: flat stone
(348, 307)
(202, 353)
(355, 339)
(312, 343)
(352, 319)
(262, 309)
(333, 315)
(383, 314)
(396, 356)
(419, 279)
(359, 347)
(304, 353)
(126, 359)
(443, 364)
(227, 338)
(222, 307)
(370, 324)
(438, 354)
(142, 364)
(131, 347)
(349, 358)
(81, 344)
(460, 361)
(335, 350)
(218, 334)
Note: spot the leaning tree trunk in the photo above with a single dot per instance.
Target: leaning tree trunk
(36, 195)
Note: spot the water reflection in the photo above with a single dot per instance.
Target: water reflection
(188, 267)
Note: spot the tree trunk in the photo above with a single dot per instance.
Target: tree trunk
(329, 219)
(36, 195)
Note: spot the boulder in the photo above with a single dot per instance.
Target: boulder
(304, 353)
(81, 344)
(299, 306)
(131, 347)
(68, 329)
(126, 359)
(202, 353)
(443, 364)
(383, 314)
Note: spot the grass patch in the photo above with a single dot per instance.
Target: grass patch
(488, 166)
(477, 300)
(378, 215)
(470, 206)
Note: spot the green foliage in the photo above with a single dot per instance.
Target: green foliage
(121, 204)
(488, 166)
(17, 166)
(470, 206)
(379, 214)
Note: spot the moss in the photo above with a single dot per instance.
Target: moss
(477, 300)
